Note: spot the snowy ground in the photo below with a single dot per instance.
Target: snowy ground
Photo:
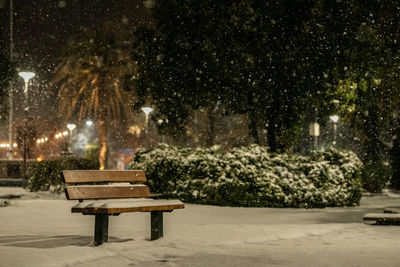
(39, 230)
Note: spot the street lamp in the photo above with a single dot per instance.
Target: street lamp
(335, 119)
(26, 76)
(70, 127)
(147, 111)
(11, 85)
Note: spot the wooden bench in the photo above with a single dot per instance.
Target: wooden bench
(115, 198)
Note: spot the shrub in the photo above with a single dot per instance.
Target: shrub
(46, 175)
(375, 177)
(252, 176)
(13, 170)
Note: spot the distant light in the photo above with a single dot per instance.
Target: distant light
(65, 133)
(26, 75)
(314, 129)
(15, 145)
(62, 4)
(147, 110)
(334, 118)
(4, 145)
(89, 123)
(38, 141)
(71, 126)
(39, 158)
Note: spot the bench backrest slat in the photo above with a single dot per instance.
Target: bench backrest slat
(104, 191)
(94, 176)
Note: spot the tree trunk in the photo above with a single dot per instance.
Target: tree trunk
(395, 157)
(271, 136)
(372, 144)
(253, 127)
(102, 131)
(210, 135)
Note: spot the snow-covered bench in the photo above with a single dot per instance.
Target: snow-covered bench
(112, 193)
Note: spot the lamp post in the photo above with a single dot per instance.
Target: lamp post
(147, 111)
(11, 85)
(335, 119)
(70, 127)
(26, 76)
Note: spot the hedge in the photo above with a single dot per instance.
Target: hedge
(46, 175)
(252, 176)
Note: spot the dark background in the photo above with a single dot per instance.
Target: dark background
(41, 28)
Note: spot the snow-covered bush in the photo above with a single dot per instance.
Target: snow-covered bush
(252, 176)
(46, 175)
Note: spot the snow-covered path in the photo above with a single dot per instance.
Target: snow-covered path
(38, 230)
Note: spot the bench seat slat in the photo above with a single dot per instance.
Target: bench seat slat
(94, 176)
(112, 207)
(106, 192)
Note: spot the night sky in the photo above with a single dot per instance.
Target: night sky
(43, 27)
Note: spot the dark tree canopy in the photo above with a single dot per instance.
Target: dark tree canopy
(282, 63)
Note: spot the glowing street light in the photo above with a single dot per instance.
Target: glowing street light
(147, 110)
(335, 119)
(71, 126)
(89, 123)
(26, 76)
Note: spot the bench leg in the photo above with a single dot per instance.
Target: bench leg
(100, 229)
(156, 224)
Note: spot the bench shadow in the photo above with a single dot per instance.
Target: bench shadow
(44, 241)
(347, 216)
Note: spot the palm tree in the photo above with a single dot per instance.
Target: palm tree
(93, 78)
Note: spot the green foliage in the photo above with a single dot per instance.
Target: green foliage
(252, 176)
(13, 170)
(375, 177)
(92, 152)
(11, 182)
(46, 175)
